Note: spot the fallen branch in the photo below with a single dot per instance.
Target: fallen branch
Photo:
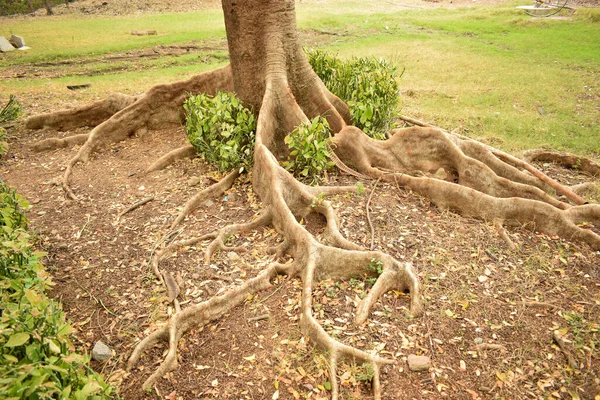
(133, 207)
(562, 345)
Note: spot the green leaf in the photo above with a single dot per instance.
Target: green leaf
(17, 339)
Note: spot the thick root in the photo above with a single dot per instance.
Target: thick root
(56, 143)
(565, 159)
(89, 115)
(160, 106)
(181, 153)
(210, 192)
(479, 193)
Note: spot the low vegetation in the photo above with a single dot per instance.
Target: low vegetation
(38, 359)
(219, 128)
(368, 85)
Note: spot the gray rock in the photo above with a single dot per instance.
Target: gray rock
(209, 203)
(418, 363)
(5, 45)
(17, 41)
(478, 340)
(101, 352)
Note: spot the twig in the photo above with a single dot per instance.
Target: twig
(369, 215)
(271, 295)
(259, 318)
(563, 347)
(97, 300)
(80, 232)
(502, 232)
(133, 207)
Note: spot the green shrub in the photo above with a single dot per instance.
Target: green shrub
(37, 359)
(367, 85)
(309, 156)
(221, 129)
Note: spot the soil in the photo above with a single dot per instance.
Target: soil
(490, 310)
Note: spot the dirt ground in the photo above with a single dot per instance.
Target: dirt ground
(491, 311)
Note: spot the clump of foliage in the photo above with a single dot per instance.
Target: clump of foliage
(3, 144)
(221, 129)
(367, 85)
(309, 156)
(37, 359)
(11, 111)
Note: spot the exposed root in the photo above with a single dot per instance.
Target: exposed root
(118, 118)
(479, 193)
(88, 115)
(502, 232)
(56, 143)
(197, 316)
(210, 192)
(565, 159)
(186, 151)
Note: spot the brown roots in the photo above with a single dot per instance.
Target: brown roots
(454, 172)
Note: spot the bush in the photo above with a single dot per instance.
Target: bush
(309, 156)
(221, 129)
(37, 359)
(367, 85)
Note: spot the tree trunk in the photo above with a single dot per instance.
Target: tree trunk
(266, 54)
(48, 7)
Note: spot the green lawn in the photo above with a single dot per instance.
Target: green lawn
(490, 72)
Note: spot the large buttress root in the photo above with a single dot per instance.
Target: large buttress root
(412, 157)
(125, 116)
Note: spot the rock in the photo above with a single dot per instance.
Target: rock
(209, 203)
(233, 256)
(5, 45)
(478, 340)
(101, 352)
(418, 363)
(194, 180)
(17, 41)
(441, 174)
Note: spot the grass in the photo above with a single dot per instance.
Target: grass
(492, 73)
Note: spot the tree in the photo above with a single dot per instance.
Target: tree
(270, 72)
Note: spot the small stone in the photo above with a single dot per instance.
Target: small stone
(101, 352)
(233, 256)
(17, 41)
(5, 45)
(441, 174)
(482, 278)
(194, 180)
(209, 203)
(478, 340)
(418, 363)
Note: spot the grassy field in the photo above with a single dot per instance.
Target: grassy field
(490, 72)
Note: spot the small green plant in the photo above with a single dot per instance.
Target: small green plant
(309, 156)
(36, 356)
(366, 374)
(376, 265)
(11, 111)
(360, 188)
(367, 85)
(221, 129)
